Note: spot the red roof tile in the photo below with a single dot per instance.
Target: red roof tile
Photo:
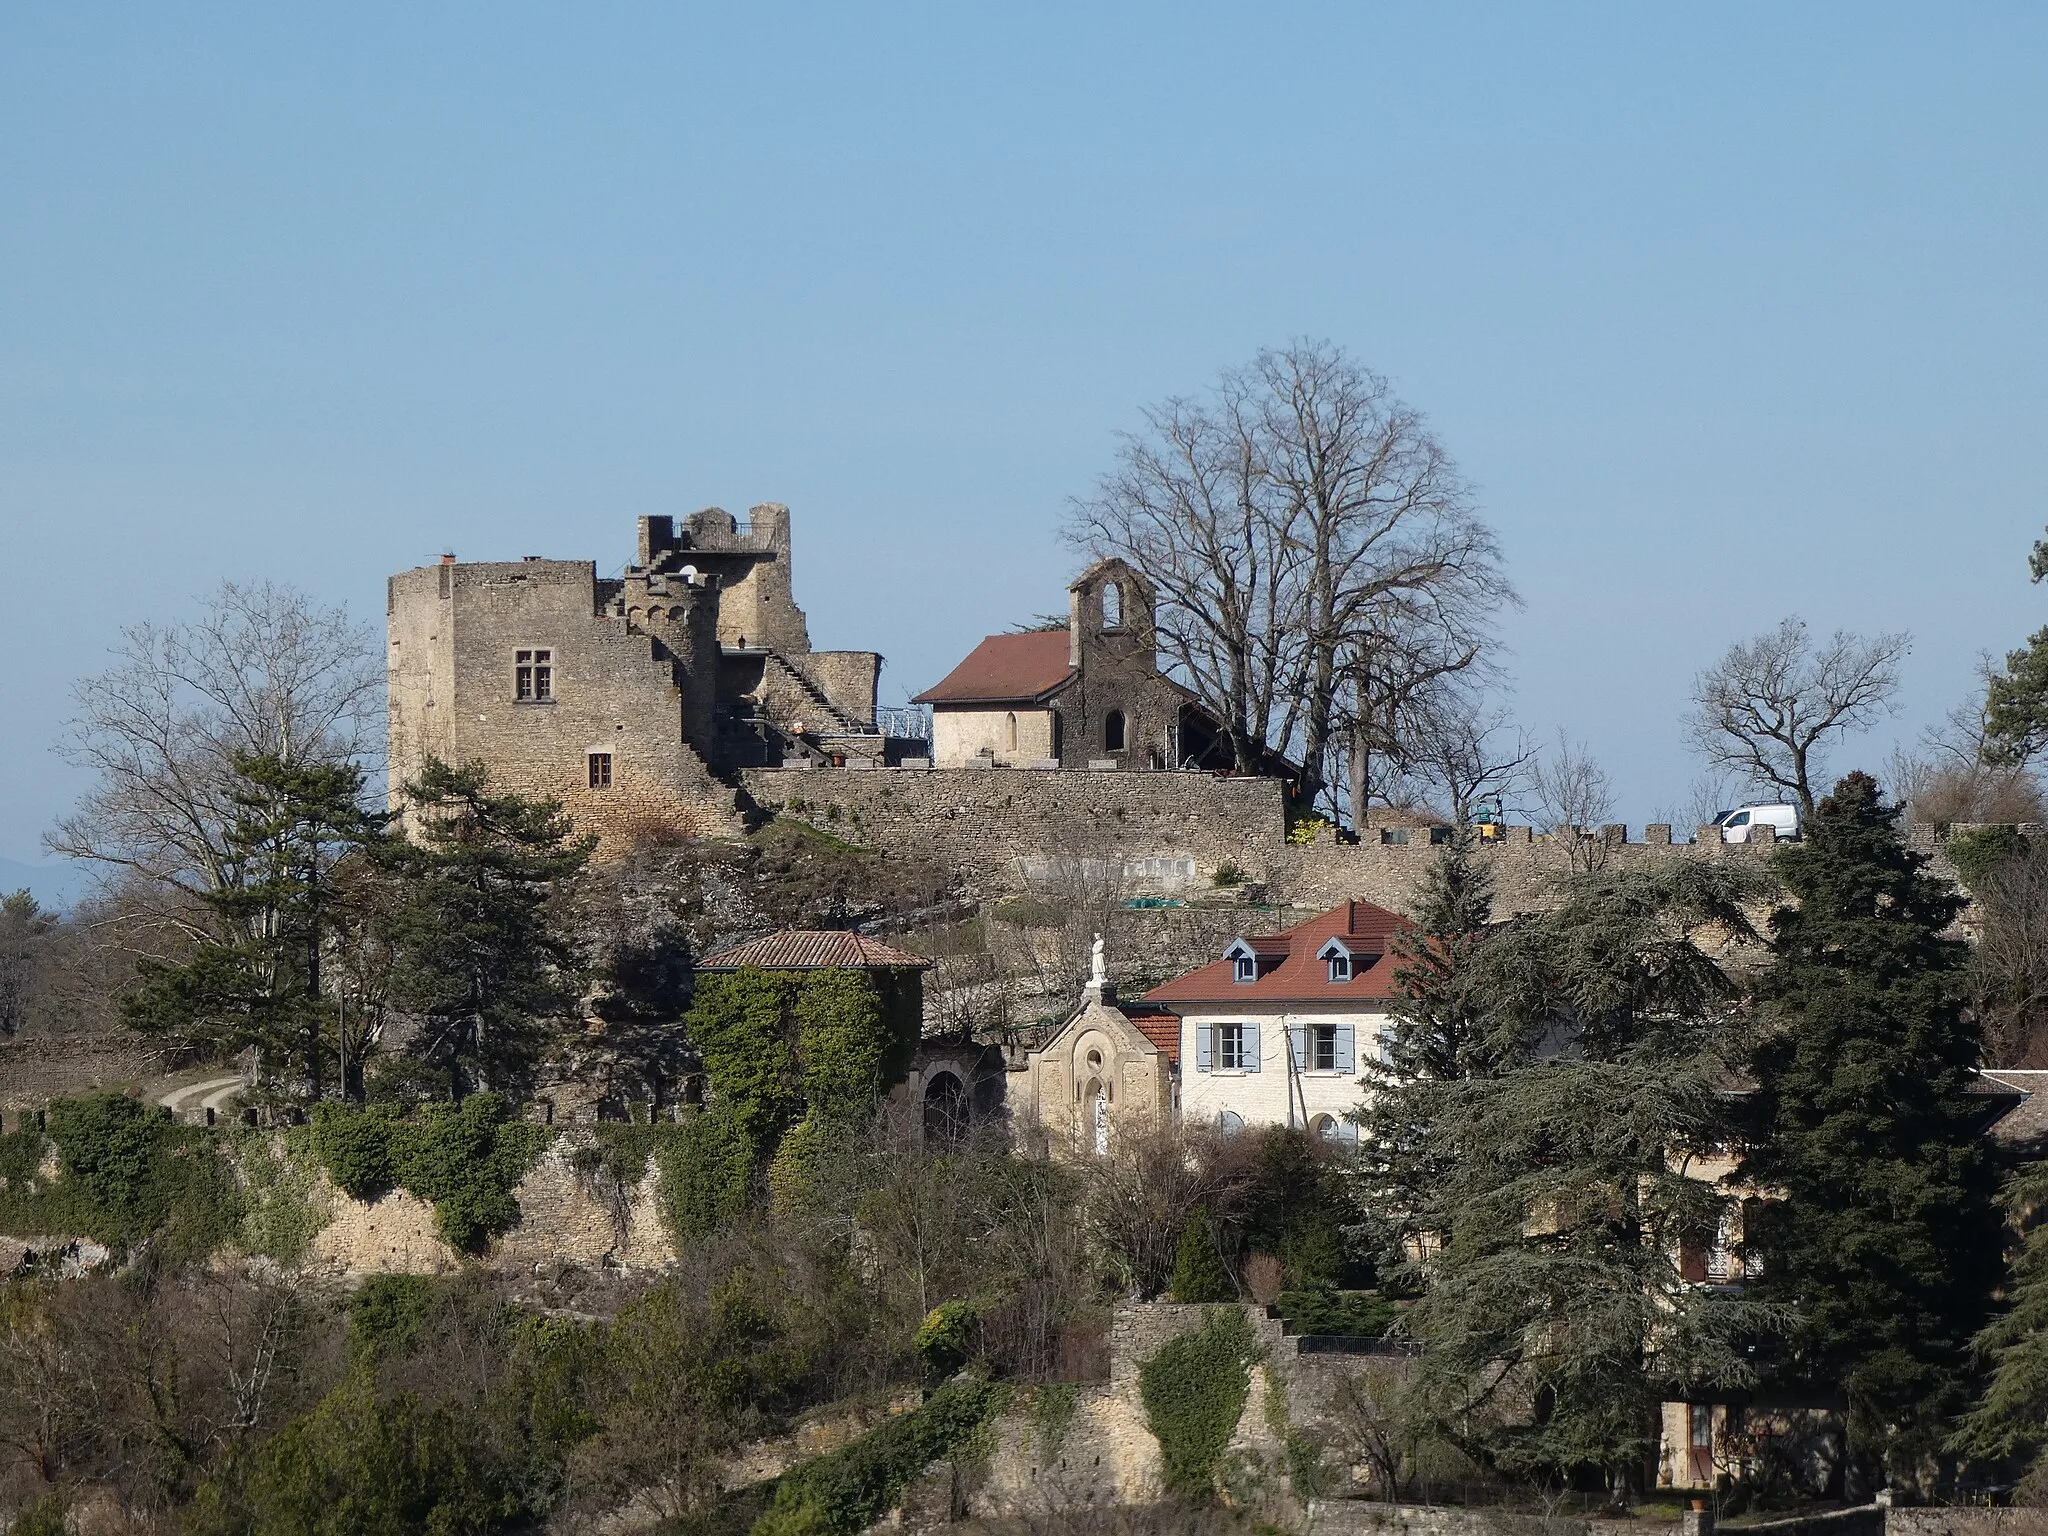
(1299, 977)
(792, 950)
(1162, 1029)
(1005, 669)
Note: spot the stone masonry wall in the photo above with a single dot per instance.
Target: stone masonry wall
(984, 821)
(454, 633)
(1004, 827)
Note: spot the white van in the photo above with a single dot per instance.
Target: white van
(1735, 824)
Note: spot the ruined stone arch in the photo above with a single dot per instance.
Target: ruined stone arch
(946, 1110)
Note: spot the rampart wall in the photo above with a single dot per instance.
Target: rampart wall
(1013, 829)
(995, 824)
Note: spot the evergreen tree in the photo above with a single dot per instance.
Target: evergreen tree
(479, 956)
(1544, 1174)
(1198, 1269)
(2010, 1423)
(255, 974)
(1887, 1241)
(2016, 701)
(1435, 1026)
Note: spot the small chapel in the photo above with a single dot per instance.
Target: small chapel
(1103, 1072)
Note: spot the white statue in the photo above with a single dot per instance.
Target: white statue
(1100, 976)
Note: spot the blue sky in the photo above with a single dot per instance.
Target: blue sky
(1730, 312)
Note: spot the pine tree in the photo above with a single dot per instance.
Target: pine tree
(479, 956)
(2016, 700)
(1434, 1026)
(255, 974)
(1887, 1240)
(2010, 1424)
(1543, 1174)
(1198, 1269)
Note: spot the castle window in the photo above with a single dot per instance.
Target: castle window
(1112, 606)
(1010, 731)
(533, 676)
(600, 770)
(1113, 731)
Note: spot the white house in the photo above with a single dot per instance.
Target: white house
(1277, 1031)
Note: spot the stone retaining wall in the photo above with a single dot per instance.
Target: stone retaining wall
(1013, 829)
(986, 822)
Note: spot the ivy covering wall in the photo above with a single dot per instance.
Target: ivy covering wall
(464, 1159)
(1194, 1392)
(795, 1062)
(118, 1171)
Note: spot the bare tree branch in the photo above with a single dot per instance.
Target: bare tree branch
(1306, 532)
(263, 670)
(1771, 707)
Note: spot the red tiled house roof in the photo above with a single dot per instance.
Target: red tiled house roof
(1006, 669)
(794, 950)
(1290, 971)
(1161, 1028)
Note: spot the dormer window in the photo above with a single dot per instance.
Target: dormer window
(1341, 963)
(1244, 961)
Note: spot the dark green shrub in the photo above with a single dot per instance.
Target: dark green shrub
(1029, 912)
(945, 1339)
(467, 1159)
(361, 1466)
(354, 1146)
(1198, 1269)
(1326, 1310)
(385, 1316)
(1194, 1392)
(843, 1493)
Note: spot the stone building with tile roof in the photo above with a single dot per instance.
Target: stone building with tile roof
(1102, 1074)
(1086, 695)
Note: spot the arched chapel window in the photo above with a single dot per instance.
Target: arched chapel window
(1010, 731)
(1112, 606)
(1113, 731)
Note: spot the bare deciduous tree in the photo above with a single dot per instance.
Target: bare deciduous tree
(1769, 709)
(1308, 535)
(1461, 753)
(2009, 965)
(1574, 797)
(264, 670)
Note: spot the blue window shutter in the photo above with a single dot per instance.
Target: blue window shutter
(1251, 1047)
(1204, 1034)
(1297, 1041)
(1347, 1048)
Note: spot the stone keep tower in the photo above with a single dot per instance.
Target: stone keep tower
(626, 698)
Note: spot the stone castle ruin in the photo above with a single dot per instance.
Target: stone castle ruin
(632, 699)
(683, 697)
